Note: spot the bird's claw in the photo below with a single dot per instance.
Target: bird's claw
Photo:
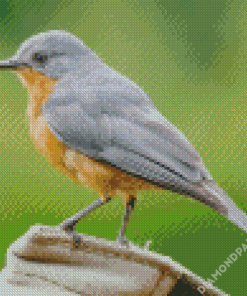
(123, 241)
(76, 237)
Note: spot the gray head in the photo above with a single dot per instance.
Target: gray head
(53, 53)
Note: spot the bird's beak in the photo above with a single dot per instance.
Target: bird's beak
(12, 64)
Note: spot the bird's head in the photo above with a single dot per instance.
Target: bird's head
(52, 53)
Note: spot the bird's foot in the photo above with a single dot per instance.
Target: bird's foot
(76, 237)
(124, 241)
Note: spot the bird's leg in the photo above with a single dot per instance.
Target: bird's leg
(69, 224)
(129, 208)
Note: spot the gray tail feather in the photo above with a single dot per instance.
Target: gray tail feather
(211, 194)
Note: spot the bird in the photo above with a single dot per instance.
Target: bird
(100, 128)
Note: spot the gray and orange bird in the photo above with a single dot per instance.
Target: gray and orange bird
(98, 127)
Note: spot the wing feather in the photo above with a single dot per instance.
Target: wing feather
(120, 125)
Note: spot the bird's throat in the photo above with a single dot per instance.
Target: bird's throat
(39, 87)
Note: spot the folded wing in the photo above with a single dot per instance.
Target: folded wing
(113, 120)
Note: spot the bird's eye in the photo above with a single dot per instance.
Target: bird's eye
(40, 58)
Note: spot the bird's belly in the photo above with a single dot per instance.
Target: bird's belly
(107, 180)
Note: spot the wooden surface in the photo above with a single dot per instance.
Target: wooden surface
(45, 260)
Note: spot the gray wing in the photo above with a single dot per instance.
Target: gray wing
(114, 121)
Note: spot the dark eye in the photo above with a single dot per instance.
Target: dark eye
(40, 58)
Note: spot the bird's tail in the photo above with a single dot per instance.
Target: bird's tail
(211, 194)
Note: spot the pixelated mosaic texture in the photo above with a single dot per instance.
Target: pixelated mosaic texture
(190, 58)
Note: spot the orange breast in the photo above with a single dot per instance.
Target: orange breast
(39, 88)
(107, 180)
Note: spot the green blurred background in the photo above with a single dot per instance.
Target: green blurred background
(190, 57)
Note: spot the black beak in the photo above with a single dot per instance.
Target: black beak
(12, 64)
